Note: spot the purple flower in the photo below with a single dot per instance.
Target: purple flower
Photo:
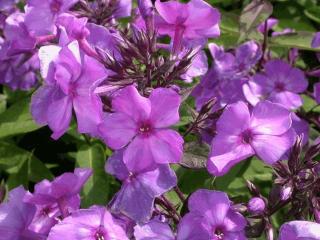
(142, 124)
(280, 83)
(301, 127)
(211, 216)
(300, 230)
(41, 15)
(18, 72)
(104, 39)
(317, 92)
(16, 216)
(256, 205)
(139, 189)
(58, 198)
(266, 131)
(229, 72)
(123, 9)
(195, 20)
(75, 27)
(198, 67)
(18, 37)
(153, 230)
(238, 64)
(7, 4)
(95, 223)
(69, 84)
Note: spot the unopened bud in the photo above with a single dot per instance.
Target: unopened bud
(256, 205)
(286, 192)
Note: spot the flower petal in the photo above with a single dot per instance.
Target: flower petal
(117, 130)
(270, 118)
(165, 104)
(225, 153)
(237, 114)
(131, 103)
(271, 148)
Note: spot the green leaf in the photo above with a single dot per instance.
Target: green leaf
(313, 13)
(37, 170)
(20, 177)
(3, 103)
(17, 119)
(300, 40)
(98, 188)
(252, 15)
(13, 156)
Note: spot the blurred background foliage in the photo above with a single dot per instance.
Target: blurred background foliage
(28, 154)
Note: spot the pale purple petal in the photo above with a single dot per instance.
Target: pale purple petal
(270, 118)
(138, 155)
(271, 148)
(131, 103)
(192, 227)
(166, 146)
(300, 230)
(40, 101)
(238, 114)
(165, 105)
(172, 11)
(287, 99)
(225, 153)
(301, 127)
(59, 114)
(117, 130)
(115, 166)
(217, 202)
(136, 197)
(153, 230)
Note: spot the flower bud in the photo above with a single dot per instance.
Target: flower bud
(286, 192)
(256, 205)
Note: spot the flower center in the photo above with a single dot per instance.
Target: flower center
(99, 235)
(246, 136)
(145, 128)
(279, 86)
(218, 233)
(55, 6)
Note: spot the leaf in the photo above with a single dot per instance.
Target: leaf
(37, 170)
(3, 103)
(313, 13)
(300, 40)
(11, 156)
(96, 190)
(20, 177)
(252, 15)
(17, 119)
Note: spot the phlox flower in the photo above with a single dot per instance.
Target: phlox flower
(266, 132)
(280, 83)
(211, 217)
(141, 125)
(95, 223)
(70, 78)
(139, 189)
